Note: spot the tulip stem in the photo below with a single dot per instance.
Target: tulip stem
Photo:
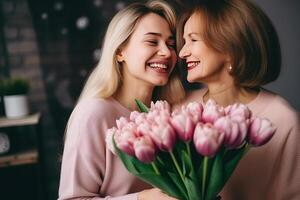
(247, 147)
(188, 149)
(155, 168)
(177, 166)
(205, 165)
(159, 159)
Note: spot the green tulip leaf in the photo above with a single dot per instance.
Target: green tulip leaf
(142, 106)
(192, 188)
(163, 161)
(147, 174)
(132, 164)
(187, 164)
(216, 179)
(126, 159)
(232, 158)
(180, 185)
(161, 183)
(191, 181)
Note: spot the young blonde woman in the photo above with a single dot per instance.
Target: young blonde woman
(138, 62)
(231, 47)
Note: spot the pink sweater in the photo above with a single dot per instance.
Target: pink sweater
(89, 170)
(270, 172)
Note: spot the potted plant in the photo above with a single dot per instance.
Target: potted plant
(15, 92)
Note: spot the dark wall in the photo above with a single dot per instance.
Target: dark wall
(286, 18)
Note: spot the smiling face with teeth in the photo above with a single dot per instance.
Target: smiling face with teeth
(149, 55)
(204, 64)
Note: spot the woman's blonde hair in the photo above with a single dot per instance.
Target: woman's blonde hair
(242, 30)
(105, 79)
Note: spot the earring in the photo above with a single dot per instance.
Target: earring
(230, 68)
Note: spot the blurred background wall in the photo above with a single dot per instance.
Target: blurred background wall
(286, 19)
(55, 44)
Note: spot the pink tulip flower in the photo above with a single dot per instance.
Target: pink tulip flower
(109, 134)
(244, 129)
(144, 128)
(160, 105)
(122, 122)
(183, 125)
(234, 132)
(134, 115)
(130, 126)
(238, 112)
(137, 117)
(124, 140)
(163, 136)
(162, 116)
(152, 114)
(195, 109)
(144, 149)
(211, 112)
(261, 131)
(207, 139)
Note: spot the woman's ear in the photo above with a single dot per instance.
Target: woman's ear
(120, 57)
(228, 58)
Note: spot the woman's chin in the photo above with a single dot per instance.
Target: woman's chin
(160, 82)
(192, 79)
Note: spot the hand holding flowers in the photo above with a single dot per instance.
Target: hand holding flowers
(191, 152)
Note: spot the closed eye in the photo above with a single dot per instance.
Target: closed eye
(173, 46)
(152, 42)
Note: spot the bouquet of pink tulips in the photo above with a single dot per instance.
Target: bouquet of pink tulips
(191, 152)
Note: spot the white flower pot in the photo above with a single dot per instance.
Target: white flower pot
(16, 106)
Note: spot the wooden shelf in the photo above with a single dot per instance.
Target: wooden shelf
(27, 120)
(26, 157)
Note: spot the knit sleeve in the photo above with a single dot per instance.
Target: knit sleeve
(83, 164)
(287, 181)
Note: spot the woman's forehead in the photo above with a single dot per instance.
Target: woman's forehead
(194, 24)
(152, 23)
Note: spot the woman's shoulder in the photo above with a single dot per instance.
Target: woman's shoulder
(276, 106)
(87, 125)
(94, 105)
(98, 109)
(90, 116)
(286, 110)
(90, 107)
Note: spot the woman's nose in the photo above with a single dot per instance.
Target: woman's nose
(183, 53)
(164, 50)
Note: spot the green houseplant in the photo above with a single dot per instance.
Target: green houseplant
(15, 91)
(15, 86)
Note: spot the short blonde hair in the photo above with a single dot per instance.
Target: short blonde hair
(243, 31)
(105, 79)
